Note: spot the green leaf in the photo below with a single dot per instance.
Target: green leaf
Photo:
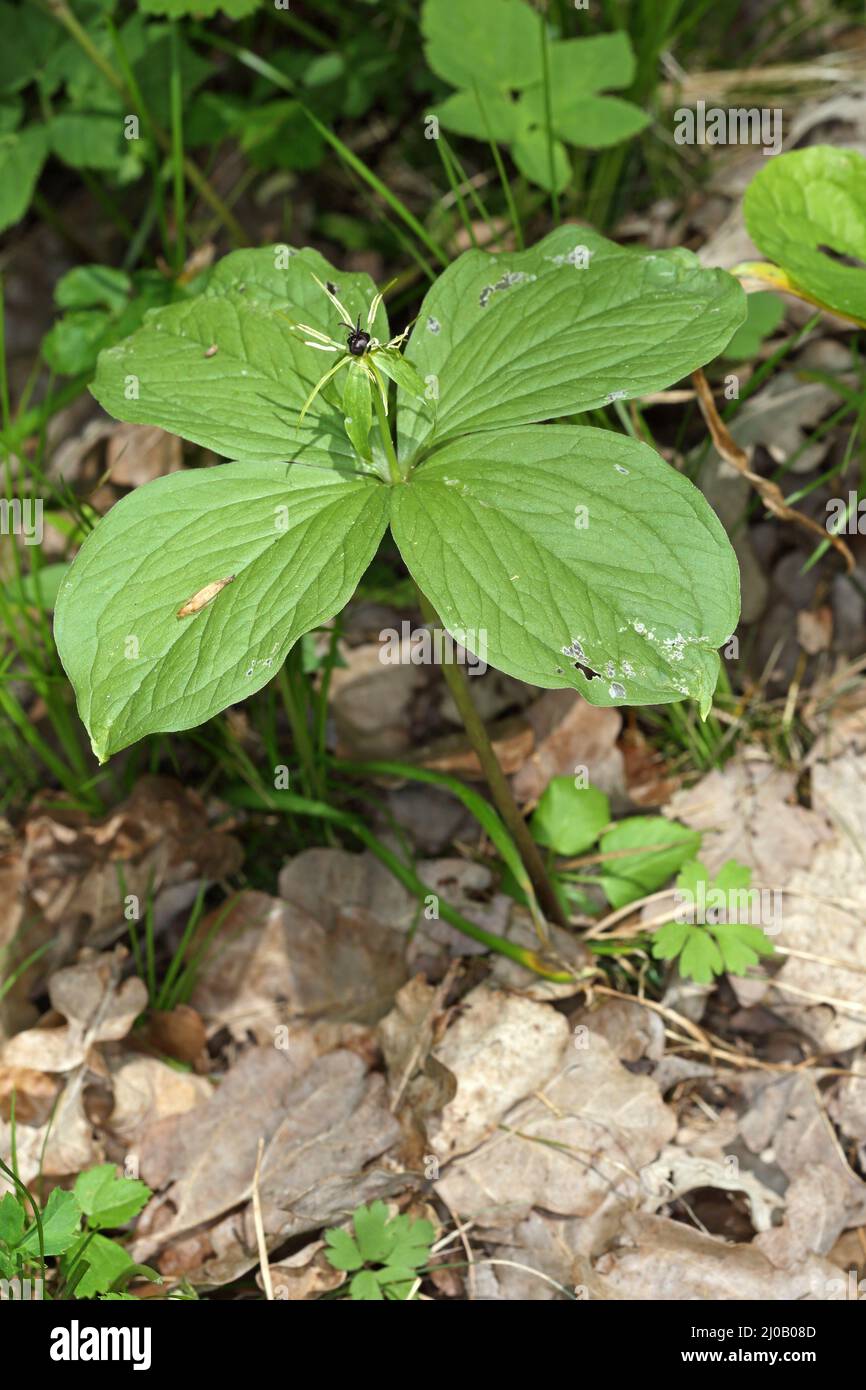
(497, 116)
(296, 540)
(177, 9)
(87, 139)
(109, 1200)
(732, 877)
(741, 945)
(365, 1288)
(22, 154)
(38, 588)
(228, 370)
(597, 122)
(765, 312)
(660, 848)
(358, 408)
(93, 286)
(581, 67)
(102, 306)
(532, 156)
(563, 551)
(12, 1219)
(530, 335)
(707, 949)
(342, 1250)
(806, 206)
(372, 1233)
(106, 1261)
(11, 111)
(568, 818)
(396, 1282)
(410, 1243)
(670, 939)
(29, 35)
(495, 43)
(701, 958)
(60, 1223)
(400, 371)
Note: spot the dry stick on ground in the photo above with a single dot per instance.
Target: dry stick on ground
(769, 492)
(260, 1226)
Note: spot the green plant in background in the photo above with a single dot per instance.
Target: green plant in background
(806, 211)
(603, 569)
(631, 858)
(519, 90)
(704, 949)
(54, 100)
(764, 313)
(635, 856)
(383, 1256)
(69, 1228)
(100, 305)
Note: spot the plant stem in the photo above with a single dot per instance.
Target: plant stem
(507, 807)
(288, 688)
(385, 429)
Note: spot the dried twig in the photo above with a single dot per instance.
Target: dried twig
(260, 1227)
(769, 492)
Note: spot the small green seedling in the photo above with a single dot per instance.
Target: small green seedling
(68, 1228)
(722, 941)
(628, 859)
(383, 1256)
(572, 557)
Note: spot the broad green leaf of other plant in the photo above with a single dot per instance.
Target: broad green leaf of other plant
(22, 154)
(566, 556)
(651, 849)
(569, 818)
(807, 211)
(491, 52)
(61, 1219)
(108, 1200)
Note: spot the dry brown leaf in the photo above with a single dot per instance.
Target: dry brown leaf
(321, 1126)
(136, 454)
(159, 835)
(98, 1008)
(275, 963)
(500, 1048)
(581, 1139)
(570, 733)
(663, 1260)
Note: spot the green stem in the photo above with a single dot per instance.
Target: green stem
(287, 685)
(177, 153)
(548, 116)
(385, 428)
(507, 807)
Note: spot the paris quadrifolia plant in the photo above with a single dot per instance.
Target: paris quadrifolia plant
(585, 560)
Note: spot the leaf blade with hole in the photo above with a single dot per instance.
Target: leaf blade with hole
(487, 527)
